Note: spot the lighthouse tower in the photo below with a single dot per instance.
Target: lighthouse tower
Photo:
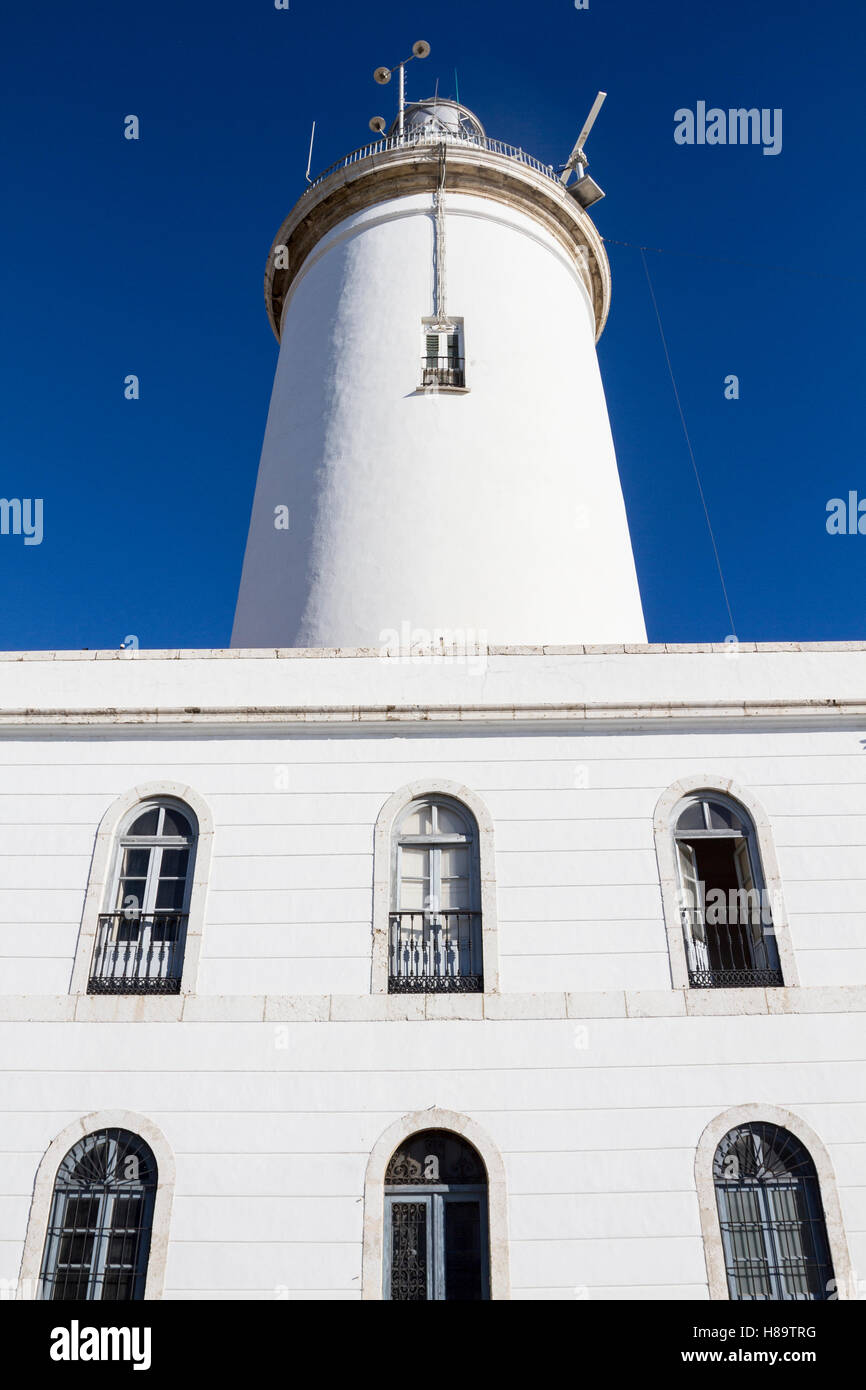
(438, 457)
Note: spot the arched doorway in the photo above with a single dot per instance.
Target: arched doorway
(436, 1226)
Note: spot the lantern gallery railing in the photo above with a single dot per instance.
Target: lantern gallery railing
(435, 953)
(435, 138)
(442, 371)
(733, 954)
(141, 953)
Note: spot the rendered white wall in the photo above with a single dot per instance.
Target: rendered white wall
(290, 894)
(272, 1144)
(272, 1130)
(498, 512)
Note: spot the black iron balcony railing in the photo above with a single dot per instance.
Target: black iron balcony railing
(442, 371)
(435, 953)
(735, 954)
(138, 954)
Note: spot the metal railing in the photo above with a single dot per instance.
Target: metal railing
(729, 954)
(435, 138)
(138, 954)
(435, 952)
(442, 371)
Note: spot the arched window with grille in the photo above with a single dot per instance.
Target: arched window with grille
(725, 911)
(436, 1221)
(98, 1238)
(435, 937)
(771, 1216)
(141, 936)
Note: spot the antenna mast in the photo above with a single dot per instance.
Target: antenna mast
(310, 160)
(577, 155)
(585, 190)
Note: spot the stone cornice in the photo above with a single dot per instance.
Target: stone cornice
(230, 716)
(400, 172)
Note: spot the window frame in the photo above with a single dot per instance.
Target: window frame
(383, 879)
(744, 839)
(434, 844)
(664, 826)
(139, 930)
(43, 1193)
(156, 845)
(60, 1229)
(758, 1113)
(99, 886)
(451, 351)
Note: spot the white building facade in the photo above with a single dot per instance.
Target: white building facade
(515, 958)
(593, 1079)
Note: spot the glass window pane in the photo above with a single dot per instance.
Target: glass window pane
(722, 817)
(130, 895)
(462, 1251)
(135, 864)
(414, 878)
(692, 818)
(175, 823)
(455, 895)
(417, 821)
(455, 861)
(450, 821)
(170, 895)
(146, 823)
(174, 863)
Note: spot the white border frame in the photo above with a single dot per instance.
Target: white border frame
(101, 868)
(663, 829)
(43, 1193)
(706, 1151)
(374, 1197)
(382, 837)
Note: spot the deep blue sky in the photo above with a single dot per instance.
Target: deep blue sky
(148, 257)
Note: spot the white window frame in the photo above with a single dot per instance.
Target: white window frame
(100, 884)
(664, 825)
(695, 930)
(383, 876)
(139, 915)
(453, 333)
(434, 843)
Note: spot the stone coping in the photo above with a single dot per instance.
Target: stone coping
(378, 1008)
(375, 653)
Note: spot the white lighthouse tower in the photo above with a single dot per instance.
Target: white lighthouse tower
(438, 457)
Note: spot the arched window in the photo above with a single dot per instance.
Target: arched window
(141, 936)
(98, 1238)
(771, 1216)
(725, 911)
(436, 1236)
(435, 918)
